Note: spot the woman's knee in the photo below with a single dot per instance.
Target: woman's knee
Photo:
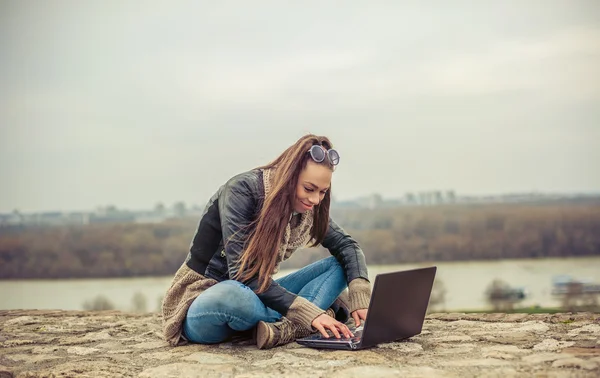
(226, 296)
(332, 263)
(335, 268)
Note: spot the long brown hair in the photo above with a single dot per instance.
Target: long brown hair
(261, 253)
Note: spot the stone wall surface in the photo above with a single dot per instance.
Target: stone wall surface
(116, 344)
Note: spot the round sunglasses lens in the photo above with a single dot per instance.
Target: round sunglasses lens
(334, 157)
(317, 153)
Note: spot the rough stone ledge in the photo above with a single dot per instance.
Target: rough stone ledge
(36, 343)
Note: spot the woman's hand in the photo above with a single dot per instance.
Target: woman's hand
(324, 322)
(358, 315)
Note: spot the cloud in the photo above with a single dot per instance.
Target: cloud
(140, 111)
(565, 63)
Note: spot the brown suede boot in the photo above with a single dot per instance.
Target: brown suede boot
(269, 335)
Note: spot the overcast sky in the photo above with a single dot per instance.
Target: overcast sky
(131, 103)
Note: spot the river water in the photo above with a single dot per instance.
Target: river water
(465, 283)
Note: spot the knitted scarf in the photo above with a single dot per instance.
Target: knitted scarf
(294, 237)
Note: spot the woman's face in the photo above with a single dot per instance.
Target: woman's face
(313, 183)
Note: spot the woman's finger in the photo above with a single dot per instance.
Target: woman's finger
(334, 330)
(356, 318)
(345, 330)
(320, 328)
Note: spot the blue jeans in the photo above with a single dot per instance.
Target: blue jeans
(229, 306)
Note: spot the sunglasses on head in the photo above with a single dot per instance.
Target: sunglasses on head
(318, 153)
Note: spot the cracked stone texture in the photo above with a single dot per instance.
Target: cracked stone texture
(116, 344)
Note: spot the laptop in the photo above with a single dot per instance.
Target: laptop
(397, 311)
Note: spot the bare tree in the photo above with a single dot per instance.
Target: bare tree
(139, 302)
(437, 300)
(100, 303)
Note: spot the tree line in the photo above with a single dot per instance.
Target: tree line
(387, 236)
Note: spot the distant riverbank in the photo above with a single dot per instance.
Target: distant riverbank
(387, 236)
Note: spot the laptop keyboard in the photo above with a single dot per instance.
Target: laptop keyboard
(356, 338)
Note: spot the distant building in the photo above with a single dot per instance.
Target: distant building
(374, 201)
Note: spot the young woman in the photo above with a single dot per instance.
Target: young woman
(251, 224)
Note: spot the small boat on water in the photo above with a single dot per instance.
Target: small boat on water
(566, 284)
